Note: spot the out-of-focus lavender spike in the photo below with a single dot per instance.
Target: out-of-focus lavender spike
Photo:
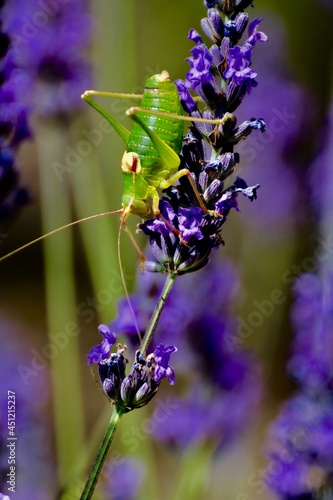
(221, 76)
(14, 128)
(301, 441)
(50, 43)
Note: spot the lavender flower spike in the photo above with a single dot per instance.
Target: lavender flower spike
(14, 127)
(301, 444)
(140, 386)
(221, 76)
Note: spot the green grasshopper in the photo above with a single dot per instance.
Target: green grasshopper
(151, 159)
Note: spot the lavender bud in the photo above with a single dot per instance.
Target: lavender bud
(241, 22)
(142, 393)
(213, 26)
(213, 191)
(225, 46)
(245, 129)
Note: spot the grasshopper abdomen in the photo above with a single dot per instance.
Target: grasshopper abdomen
(161, 95)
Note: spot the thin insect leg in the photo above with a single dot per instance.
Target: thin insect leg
(121, 225)
(40, 238)
(217, 121)
(117, 126)
(137, 248)
(167, 223)
(198, 195)
(158, 214)
(181, 173)
(97, 382)
(121, 95)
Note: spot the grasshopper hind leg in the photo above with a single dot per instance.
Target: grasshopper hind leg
(158, 214)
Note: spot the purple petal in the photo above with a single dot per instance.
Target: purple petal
(162, 369)
(194, 36)
(189, 222)
(255, 35)
(107, 334)
(187, 100)
(101, 351)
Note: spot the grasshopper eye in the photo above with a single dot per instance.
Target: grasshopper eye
(131, 163)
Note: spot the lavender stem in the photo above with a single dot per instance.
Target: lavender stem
(102, 455)
(157, 312)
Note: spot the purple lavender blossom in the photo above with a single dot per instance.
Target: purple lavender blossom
(140, 386)
(220, 76)
(162, 369)
(239, 61)
(50, 42)
(239, 70)
(102, 351)
(199, 234)
(13, 128)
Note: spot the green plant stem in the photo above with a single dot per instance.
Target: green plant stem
(102, 455)
(193, 471)
(52, 139)
(157, 312)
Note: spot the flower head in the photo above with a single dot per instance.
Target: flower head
(220, 76)
(140, 386)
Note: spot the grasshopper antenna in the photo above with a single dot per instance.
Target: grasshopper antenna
(121, 225)
(40, 238)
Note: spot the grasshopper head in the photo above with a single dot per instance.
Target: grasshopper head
(131, 163)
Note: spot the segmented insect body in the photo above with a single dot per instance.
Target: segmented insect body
(144, 168)
(160, 95)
